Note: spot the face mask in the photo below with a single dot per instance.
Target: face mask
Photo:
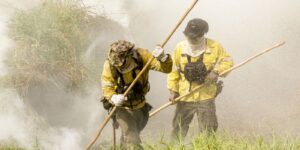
(196, 40)
(128, 65)
(117, 59)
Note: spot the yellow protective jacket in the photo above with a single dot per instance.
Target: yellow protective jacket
(215, 58)
(109, 84)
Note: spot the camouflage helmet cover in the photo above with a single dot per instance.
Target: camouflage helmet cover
(118, 52)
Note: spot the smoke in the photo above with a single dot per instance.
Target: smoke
(10, 106)
(15, 121)
(261, 97)
(21, 126)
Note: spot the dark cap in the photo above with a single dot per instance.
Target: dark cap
(196, 28)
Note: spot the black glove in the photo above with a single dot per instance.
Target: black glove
(220, 86)
(106, 104)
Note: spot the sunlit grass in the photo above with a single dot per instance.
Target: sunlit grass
(226, 141)
(218, 141)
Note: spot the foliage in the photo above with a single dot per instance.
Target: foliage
(50, 42)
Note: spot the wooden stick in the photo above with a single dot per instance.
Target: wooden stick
(101, 127)
(114, 137)
(225, 72)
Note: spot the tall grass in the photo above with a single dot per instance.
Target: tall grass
(51, 40)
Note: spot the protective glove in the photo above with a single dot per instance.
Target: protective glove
(106, 104)
(173, 95)
(159, 54)
(118, 99)
(212, 77)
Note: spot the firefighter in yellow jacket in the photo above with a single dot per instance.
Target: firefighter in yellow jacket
(122, 66)
(197, 60)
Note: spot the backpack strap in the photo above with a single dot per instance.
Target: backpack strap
(118, 75)
(188, 57)
(137, 58)
(201, 57)
(180, 70)
(139, 61)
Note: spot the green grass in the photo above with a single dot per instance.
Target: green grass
(10, 144)
(226, 141)
(218, 141)
(10, 147)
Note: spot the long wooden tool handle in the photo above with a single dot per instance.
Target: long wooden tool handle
(226, 71)
(253, 57)
(179, 22)
(114, 137)
(101, 127)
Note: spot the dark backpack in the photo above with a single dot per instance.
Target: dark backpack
(194, 72)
